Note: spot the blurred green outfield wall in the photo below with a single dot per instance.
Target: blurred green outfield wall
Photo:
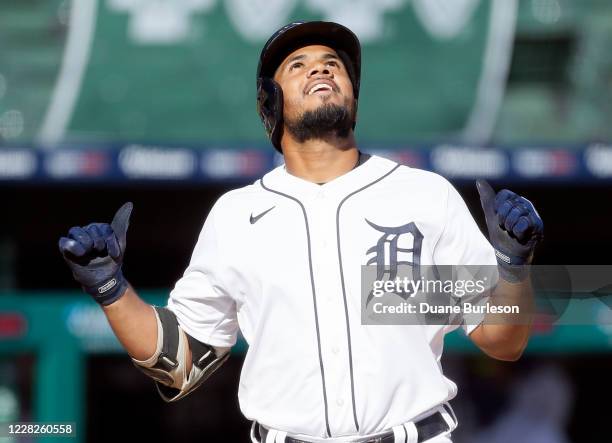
(507, 71)
(185, 70)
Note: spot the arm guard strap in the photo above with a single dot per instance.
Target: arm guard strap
(168, 365)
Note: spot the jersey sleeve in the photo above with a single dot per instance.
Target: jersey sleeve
(462, 244)
(201, 299)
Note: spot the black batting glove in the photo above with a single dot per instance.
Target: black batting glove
(94, 254)
(515, 228)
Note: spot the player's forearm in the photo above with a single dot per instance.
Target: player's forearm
(134, 323)
(505, 336)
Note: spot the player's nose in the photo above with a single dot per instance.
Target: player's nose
(318, 68)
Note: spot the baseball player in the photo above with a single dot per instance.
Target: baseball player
(281, 260)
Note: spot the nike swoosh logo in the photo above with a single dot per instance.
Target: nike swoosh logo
(256, 218)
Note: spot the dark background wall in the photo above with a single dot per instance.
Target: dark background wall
(167, 220)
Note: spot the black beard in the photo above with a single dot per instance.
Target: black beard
(324, 122)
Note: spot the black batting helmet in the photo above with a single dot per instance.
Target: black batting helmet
(282, 43)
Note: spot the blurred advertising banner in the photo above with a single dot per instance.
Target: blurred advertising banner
(223, 163)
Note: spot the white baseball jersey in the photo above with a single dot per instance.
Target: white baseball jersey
(281, 260)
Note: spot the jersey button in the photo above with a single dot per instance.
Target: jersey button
(336, 350)
(340, 402)
(320, 195)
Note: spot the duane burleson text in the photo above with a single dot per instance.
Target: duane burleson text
(426, 308)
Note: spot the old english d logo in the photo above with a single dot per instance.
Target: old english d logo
(387, 253)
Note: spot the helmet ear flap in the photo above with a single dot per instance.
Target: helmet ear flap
(270, 108)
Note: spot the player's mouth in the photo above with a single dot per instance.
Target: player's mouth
(320, 87)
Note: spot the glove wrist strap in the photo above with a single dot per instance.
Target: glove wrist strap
(512, 268)
(110, 290)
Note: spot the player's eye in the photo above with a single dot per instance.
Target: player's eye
(295, 65)
(332, 63)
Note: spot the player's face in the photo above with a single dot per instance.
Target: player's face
(311, 77)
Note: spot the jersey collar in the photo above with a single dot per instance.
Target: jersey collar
(281, 181)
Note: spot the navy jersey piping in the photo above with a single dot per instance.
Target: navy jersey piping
(348, 328)
(314, 298)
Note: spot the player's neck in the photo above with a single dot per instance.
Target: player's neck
(320, 161)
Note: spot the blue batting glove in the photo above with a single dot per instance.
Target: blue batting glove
(94, 254)
(514, 226)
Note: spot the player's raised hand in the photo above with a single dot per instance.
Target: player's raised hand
(514, 226)
(94, 254)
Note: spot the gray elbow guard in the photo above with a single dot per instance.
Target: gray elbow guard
(168, 365)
